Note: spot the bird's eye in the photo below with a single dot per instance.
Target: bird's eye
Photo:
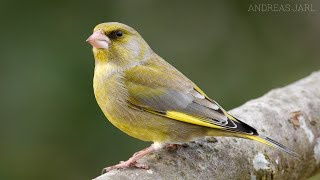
(119, 33)
(115, 34)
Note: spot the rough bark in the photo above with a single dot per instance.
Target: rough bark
(290, 115)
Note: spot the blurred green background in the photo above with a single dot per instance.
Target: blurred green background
(51, 126)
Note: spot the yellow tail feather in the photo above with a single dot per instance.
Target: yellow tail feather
(272, 143)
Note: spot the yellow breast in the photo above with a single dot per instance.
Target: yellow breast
(112, 96)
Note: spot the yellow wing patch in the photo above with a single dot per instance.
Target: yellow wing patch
(190, 119)
(257, 138)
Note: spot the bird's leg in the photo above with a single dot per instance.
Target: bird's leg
(132, 162)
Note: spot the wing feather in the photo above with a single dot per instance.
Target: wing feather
(166, 92)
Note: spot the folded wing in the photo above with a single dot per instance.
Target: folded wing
(164, 91)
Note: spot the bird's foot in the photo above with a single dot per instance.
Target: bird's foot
(132, 162)
(125, 164)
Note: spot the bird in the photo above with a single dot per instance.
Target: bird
(147, 98)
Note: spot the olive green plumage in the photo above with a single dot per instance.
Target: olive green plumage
(147, 98)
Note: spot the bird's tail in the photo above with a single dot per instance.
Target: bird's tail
(272, 143)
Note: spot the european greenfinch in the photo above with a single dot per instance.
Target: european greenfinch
(147, 98)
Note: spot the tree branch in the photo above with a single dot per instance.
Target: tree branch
(290, 115)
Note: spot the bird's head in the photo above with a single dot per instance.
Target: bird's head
(117, 43)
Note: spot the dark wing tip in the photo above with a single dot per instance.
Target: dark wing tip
(243, 127)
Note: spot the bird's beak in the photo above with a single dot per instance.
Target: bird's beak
(99, 40)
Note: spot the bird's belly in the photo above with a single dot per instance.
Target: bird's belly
(111, 96)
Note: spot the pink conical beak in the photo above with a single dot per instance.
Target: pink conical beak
(99, 40)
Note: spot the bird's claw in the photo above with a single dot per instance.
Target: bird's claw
(125, 164)
(140, 166)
